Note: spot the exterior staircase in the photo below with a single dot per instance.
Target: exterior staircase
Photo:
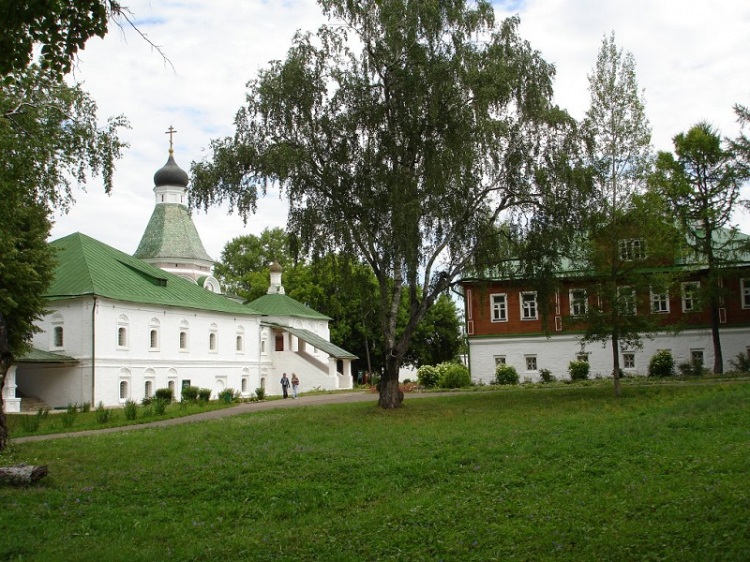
(31, 405)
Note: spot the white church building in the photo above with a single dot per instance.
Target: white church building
(119, 326)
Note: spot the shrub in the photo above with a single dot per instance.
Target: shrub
(741, 362)
(190, 393)
(578, 370)
(546, 375)
(260, 393)
(86, 407)
(204, 394)
(103, 415)
(453, 375)
(506, 374)
(227, 395)
(428, 376)
(160, 405)
(164, 394)
(692, 369)
(146, 401)
(31, 424)
(661, 364)
(131, 410)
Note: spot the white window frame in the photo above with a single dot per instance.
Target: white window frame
(531, 363)
(697, 354)
(745, 288)
(578, 306)
(634, 300)
(659, 303)
(527, 310)
(689, 289)
(213, 339)
(500, 360)
(632, 249)
(628, 360)
(499, 307)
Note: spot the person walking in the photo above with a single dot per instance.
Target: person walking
(285, 385)
(295, 384)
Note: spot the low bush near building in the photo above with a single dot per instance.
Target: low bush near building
(260, 393)
(661, 364)
(131, 410)
(190, 393)
(578, 370)
(692, 369)
(204, 394)
(741, 362)
(103, 415)
(428, 376)
(164, 394)
(228, 396)
(546, 375)
(506, 374)
(453, 375)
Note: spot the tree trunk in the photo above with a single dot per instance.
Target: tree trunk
(616, 363)
(391, 396)
(6, 358)
(718, 357)
(22, 474)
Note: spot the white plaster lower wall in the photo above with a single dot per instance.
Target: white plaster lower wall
(556, 352)
(311, 377)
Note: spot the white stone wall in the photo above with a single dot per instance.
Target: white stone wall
(556, 352)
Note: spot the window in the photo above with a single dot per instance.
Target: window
(632, 249)
(499, 360)
(696, 357)
(528, 306)
(153, 334)
(239, 344)
(659, 303)
(579, 303)
(58, 337)
(244, 384)
(122, 332)
(583, 356)
(626, 300)
(628, 360)
(184, 339)
(212, 341)
(170, 386)
(531, 363)
(123, 390)
(148, 389)
(690, 296)
(499, 308)
(745, 285)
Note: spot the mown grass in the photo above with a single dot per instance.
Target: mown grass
(558, 474)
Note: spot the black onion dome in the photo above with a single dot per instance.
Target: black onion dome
(171, 174)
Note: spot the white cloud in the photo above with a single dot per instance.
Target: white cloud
(692, 61)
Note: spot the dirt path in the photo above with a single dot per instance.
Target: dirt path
(244, 408)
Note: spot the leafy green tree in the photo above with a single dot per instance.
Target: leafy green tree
(702, 181)
(245, 262)
(401, 133)
(50, 140)
(626, 230)
(437, 338)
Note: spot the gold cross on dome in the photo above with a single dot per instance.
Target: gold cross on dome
(171, 131)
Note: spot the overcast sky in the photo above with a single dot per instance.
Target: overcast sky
(692, 57)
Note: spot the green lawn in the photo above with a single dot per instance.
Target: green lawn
(568, 473)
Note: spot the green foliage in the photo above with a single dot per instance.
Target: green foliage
(31, 424)
(506, 374)
(228, 395)
(260, 393)
(692, 369)
(103, 415)
(661, 364)
(546, 375)
(420, 156)
(428, 376)
(131, 409)
(86, 407)
(190, 393)
(578, 370)
(204, 394)
(437, 338)
(165, 394)
(453, 375)
(741, 362)
(159, 405)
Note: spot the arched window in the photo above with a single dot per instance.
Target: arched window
(122, 331)
(153, 334)
(184, 332)
(148, 389)
(58, 343)
(123, 390)
(244, 384)
(213, 337)
(58, 331)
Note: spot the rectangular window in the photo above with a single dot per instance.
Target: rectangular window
(696, 357)
(499, 308)
(531, 363)
(632, 249)
(579, 303)
(627, 302)
(690, 296)
(659, 303)
(528, 306)
(745, 284)
(583, 357)
(499, 360)
(628, 360)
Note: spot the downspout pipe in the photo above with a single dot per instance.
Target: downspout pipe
(93, 353)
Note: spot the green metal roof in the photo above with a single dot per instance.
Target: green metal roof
(39, 356)
(89, 267)
(171, 233)
(283, 305)
(317, 342)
